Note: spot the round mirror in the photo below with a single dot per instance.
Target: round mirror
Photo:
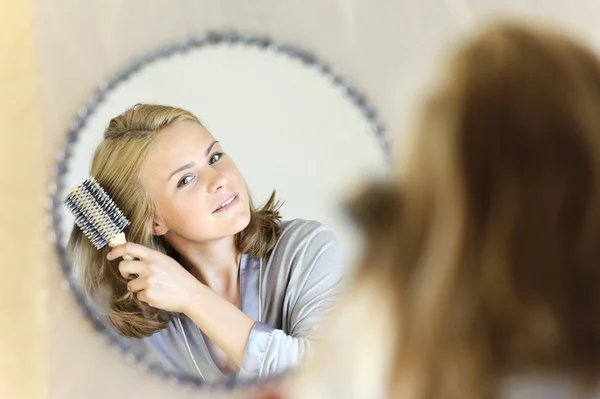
(290, 123)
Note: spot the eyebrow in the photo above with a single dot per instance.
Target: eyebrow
(211, 146)
(184, 167)
(192, 164)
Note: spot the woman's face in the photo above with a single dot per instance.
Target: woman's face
(199, 193)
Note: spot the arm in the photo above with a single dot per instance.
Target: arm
(163, 283)
(259, 349)
(314, 282)
(226, 325)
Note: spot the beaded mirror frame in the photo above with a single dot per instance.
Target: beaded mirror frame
(54, 203)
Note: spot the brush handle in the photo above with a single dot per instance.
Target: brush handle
(117, 240)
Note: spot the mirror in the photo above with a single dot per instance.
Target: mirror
(288, 120)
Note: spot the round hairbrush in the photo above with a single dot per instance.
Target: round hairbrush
(97, 215)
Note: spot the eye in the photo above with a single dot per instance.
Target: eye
(185, 180)
(215, 157)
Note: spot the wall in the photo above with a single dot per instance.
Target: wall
(24, 250)
(386, 48)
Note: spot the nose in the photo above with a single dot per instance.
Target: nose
(215, 181)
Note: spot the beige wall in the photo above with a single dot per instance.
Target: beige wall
(22, 176)
(384, 47)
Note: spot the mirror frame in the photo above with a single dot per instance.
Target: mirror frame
(56, 186)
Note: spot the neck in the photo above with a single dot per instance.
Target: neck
(214, 263)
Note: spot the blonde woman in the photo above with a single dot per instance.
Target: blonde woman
(481, 274)
(220, 289)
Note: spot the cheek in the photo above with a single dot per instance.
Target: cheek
(230, 169)
(183, 213)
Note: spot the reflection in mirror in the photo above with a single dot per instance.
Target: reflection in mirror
(227, 286)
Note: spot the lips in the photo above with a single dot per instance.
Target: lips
(227, 201)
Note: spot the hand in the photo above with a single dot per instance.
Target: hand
(161, 282)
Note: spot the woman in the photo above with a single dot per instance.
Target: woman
(219, 289)
(480, 277)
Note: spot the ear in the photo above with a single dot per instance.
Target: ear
(159, 227)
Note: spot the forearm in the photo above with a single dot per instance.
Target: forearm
(226, 325)
(271, 350)
(256, 348)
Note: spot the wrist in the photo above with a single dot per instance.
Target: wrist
(194, 298)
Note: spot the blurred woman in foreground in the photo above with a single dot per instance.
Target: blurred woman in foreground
(481, 272)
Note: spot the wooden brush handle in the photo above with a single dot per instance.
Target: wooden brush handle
(117, 240)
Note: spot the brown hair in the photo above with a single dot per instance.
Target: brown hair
(487, 245)
(116, 167)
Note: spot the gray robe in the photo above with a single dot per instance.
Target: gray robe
(288, 297)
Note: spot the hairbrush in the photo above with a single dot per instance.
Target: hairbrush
(97, 215)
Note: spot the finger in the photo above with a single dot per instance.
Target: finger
(141, 295)
(137, 285)
(130, 249)
(132, 268)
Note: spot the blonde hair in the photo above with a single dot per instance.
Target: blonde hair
(484, 252)
(116, 167)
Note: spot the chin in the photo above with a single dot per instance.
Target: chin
(242, 222)
(235, 222)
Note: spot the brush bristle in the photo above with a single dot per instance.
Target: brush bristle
(95, 212)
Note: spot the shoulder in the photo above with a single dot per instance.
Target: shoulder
(305, 263)
(303, 245)
(301, 233)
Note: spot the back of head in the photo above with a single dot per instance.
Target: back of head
(487, 244)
